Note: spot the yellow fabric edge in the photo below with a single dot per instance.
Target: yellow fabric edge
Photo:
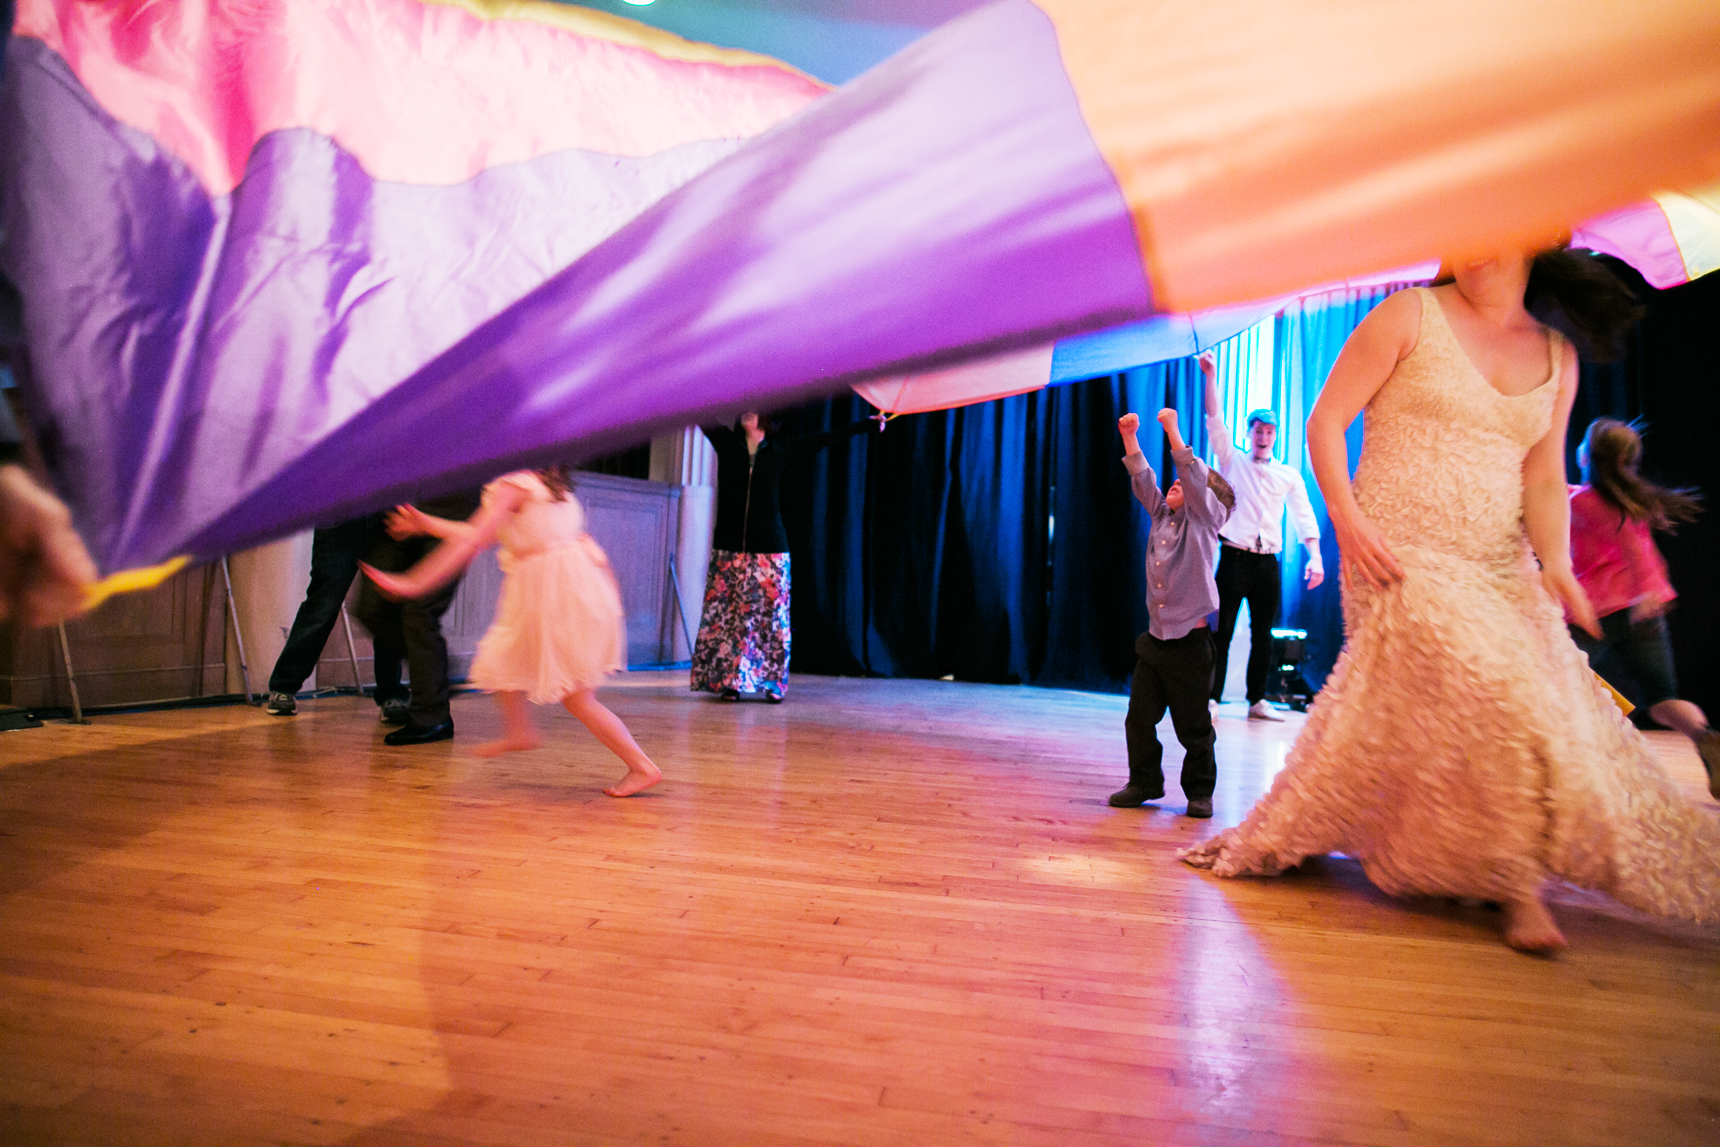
(620, 30)
(133, 580)
(1619, 699)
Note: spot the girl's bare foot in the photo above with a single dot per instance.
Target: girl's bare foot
(1529, 927)
(510, 744)
(638, 779)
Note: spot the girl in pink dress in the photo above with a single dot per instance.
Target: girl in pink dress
(558, 630)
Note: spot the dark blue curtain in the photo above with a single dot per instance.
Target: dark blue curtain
(998, 542)
(920, 551)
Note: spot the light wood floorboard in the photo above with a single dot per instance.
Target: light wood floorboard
(886, 912)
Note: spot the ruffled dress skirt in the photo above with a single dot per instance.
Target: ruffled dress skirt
(559, 625)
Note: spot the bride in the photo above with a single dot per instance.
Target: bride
(1461, 746)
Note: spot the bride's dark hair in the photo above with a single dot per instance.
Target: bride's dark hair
(1576, 294)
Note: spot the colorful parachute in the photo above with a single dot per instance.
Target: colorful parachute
(1670, 239)
(291, 259)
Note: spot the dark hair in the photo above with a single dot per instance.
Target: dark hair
(1576, 294)
(1221, 489)
(1614, 451)
(767, 421)
(559, 480)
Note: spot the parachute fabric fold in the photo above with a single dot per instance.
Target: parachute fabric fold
(1007, 181)
(924, 212)
(1263, 145)
(215, 274)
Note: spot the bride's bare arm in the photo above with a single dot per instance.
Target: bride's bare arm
(1367, 360)
(1547, 504)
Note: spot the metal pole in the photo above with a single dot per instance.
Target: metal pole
(71, 678)
(238, 637)
(680, 606)
(351, 649)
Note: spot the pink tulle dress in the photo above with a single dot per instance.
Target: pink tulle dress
(559, 625)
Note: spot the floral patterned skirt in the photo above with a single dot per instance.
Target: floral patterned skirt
(743, 633)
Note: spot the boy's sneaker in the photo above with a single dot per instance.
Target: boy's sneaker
(1261, 711)
(1200, 807)
(1132, 797)
(281, 705)
(395, 712)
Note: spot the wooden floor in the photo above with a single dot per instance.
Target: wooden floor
(886, 912)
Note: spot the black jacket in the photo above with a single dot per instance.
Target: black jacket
(749, 511)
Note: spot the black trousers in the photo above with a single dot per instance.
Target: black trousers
(1175, 675)
(412, 630)
(1631, 653)
(335, 552)
(1252, 577)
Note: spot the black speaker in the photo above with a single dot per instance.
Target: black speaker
(1284, 681)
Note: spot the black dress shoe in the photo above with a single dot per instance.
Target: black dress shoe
(421, 734)
(1134, 796)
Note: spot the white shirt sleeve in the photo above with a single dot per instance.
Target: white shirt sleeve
(1218, 439)
(1302, 513)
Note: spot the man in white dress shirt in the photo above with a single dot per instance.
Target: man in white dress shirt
(1252, 539)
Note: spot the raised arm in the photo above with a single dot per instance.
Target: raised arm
(806, 445)
(1547, 503)
(1142, 480)
(1198, 498)
(441, 564)
(1217, 431)
(1367, 360)
(718, 436)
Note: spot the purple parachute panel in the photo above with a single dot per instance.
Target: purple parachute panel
(947, 204)
(215, 371)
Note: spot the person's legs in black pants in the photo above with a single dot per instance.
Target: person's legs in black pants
(413, 629)
(1264, 590)
(427, 656)
(1185, 666)
(1232, 587)
(1605, 653)
(1146, 707)
(335, 551)
(1170, 674)
(382, 617)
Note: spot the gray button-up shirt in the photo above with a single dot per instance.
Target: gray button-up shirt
(1182, 546)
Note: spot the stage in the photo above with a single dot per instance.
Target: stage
(885, 912)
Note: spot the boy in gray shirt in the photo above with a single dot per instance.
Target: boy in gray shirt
(1174, 657)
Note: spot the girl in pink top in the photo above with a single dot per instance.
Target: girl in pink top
(1615, 558)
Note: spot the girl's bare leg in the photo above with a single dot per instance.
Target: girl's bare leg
(1693, 723)
(1681, 715)
(608, 728)
(517, 730)
(1529, 927)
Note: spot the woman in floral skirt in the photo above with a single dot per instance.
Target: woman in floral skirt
(743, 641)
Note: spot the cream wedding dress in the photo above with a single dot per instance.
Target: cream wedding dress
(1461, 746)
